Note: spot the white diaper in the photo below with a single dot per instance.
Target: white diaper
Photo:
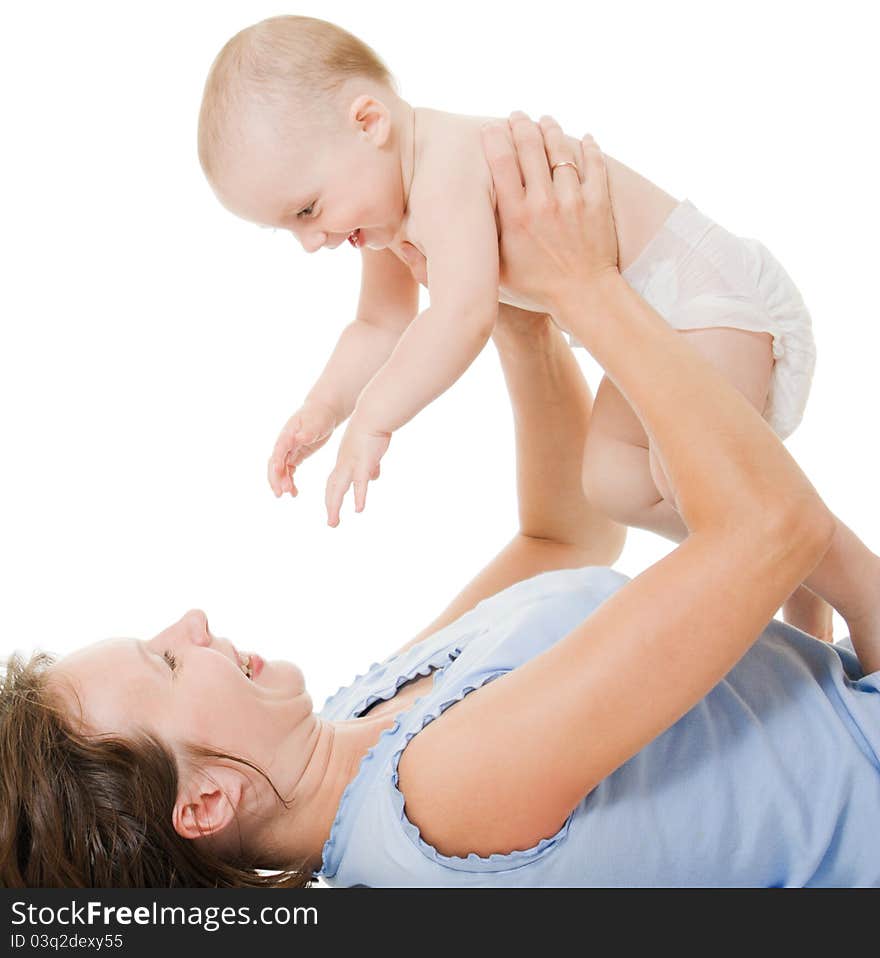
(697, 275)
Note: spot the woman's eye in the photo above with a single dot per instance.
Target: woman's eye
(307, 211)
(170, 659)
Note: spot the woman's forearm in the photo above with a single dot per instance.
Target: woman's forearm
(735, 470)
(551, 405)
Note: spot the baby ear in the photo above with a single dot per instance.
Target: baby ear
(371, 118)
(208, 804)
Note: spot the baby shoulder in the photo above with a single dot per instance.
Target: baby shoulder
(451, 166)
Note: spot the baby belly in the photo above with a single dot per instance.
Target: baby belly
(511, 299)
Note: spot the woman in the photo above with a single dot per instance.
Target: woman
(605, 732)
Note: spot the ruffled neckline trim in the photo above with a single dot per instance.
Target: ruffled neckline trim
(436, 662)
(473, 862)
(371, 670)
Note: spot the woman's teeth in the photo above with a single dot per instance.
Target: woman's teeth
(354, 238)
(244, 663)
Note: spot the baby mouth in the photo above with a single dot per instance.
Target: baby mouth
(355, 238)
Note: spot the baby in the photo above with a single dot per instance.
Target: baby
(301, 129)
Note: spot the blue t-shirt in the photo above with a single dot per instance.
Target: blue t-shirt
(773, 779)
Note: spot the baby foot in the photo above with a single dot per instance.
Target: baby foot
(864, 633)
(811, 614)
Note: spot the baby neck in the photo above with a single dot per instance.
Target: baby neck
(406, 121)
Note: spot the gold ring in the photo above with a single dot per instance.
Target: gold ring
(566, 163)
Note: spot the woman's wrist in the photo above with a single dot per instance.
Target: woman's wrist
(517, 332)
(578, 306)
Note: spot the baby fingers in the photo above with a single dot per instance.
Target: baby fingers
(337, 486)
(360, 494)
(275, 475)
(289, 484)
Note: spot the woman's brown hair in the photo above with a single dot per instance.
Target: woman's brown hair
(81, 811)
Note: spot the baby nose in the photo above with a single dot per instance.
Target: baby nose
(311, 244)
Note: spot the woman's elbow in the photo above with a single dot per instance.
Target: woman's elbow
(801, 527)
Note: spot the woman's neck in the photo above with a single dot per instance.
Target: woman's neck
(336, 750)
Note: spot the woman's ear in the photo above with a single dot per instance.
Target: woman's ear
(208, 804)
(371, 118)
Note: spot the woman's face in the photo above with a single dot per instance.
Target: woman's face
(186, 685)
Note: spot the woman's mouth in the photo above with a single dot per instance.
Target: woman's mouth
(256, 665)
(355, 238)
(249, 663)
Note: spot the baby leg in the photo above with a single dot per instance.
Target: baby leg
(625, 477)
(616, 472)
(849, 578)
(746, 359)
(617, 440)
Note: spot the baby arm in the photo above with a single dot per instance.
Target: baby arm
(388, 301)
(436, 348)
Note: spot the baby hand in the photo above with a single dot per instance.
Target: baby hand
(357, 461)
(304, 433)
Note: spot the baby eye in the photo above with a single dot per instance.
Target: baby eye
(307, 211)
(170, 659)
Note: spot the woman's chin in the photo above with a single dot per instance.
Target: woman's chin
(280, 674)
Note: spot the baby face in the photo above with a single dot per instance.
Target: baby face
(326, 187)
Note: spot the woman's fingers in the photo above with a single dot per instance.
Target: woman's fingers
(566, 178)
(598, 199)
(504, 166)
(595, 173)
(532, 157)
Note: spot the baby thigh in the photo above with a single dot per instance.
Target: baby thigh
(616, 471)
(621, 473)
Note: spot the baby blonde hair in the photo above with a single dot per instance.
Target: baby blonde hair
(293, 64)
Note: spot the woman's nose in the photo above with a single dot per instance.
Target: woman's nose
(196, 622)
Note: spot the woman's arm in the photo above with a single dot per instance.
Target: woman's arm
(551, 402)
(552, 406)
(510, 761)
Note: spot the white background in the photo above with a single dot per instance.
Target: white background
(152, 345)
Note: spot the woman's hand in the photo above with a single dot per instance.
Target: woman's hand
(558, 239)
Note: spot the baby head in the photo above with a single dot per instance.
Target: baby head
(301, 128)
